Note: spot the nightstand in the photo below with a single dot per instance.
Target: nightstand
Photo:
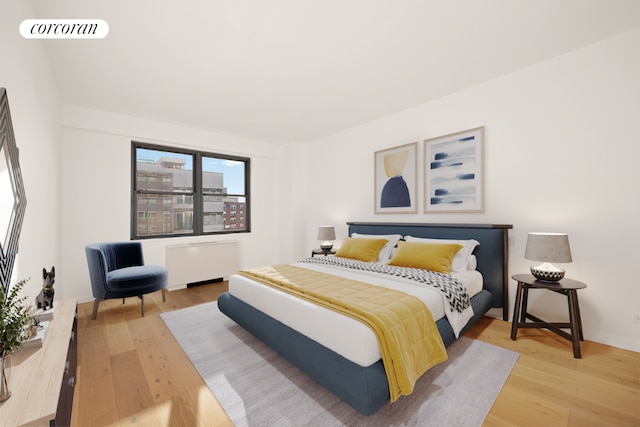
(315, 252)
(566, 287)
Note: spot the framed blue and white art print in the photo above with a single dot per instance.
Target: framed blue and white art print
(453, 172)
(396, 179)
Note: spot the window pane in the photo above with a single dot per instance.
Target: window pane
(224, 174)
(223, 187)
(163, 171)
(162, 214)
(212, 221)
(234, 213)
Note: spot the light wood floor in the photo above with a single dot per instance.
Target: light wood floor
(132, 371)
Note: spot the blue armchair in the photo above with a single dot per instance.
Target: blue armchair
(117, 270)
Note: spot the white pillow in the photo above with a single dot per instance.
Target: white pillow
(472, 262)
(385, 252)
(461, 259)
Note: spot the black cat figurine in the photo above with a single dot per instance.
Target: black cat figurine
(44, 300)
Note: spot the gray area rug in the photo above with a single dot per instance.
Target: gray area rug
(257, 387)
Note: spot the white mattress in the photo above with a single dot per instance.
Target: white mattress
(346, 336)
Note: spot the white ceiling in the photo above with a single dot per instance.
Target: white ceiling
(297, 70)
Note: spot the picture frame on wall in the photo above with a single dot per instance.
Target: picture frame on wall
(396, 179)
(454, 172)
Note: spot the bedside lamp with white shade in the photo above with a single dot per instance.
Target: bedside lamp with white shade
(326, 233)
(548, 248)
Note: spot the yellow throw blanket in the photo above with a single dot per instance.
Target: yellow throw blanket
(407, 334)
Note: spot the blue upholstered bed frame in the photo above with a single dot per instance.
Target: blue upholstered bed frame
(366, 388)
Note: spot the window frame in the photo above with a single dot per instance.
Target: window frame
(197, 191)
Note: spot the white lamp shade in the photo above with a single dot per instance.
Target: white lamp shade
(326, 232)
(548, 247)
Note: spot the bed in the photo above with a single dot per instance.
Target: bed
(353, 373)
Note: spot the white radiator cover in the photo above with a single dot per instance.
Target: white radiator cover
(197, 262)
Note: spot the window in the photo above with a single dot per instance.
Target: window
(178, 192)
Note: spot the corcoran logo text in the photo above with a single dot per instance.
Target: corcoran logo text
(64, 29)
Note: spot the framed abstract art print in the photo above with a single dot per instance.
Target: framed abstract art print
(396, 179)
(454, 172)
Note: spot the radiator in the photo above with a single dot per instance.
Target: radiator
(200, 262)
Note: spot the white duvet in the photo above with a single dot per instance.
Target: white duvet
(344, 335)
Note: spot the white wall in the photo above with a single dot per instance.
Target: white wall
(561, 155)
(96, 189)
(35, 113)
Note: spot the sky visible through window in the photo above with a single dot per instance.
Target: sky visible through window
(232, 170)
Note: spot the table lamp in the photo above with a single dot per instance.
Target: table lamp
(326, 233)
(548, 248)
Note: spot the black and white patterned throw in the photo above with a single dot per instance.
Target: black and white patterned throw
(451, 288)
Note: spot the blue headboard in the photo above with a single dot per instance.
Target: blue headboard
(492, 253)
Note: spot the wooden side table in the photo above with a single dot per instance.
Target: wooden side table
(566, 287)
(315, 252)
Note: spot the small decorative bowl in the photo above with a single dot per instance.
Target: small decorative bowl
(547, 276)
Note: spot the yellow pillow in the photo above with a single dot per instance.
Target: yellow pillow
(427, 256)
(361, 249)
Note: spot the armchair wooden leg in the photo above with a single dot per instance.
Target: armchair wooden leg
(95, 309)
(164, 295)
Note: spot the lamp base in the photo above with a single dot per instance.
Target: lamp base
(326, 246)
(547, 275)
